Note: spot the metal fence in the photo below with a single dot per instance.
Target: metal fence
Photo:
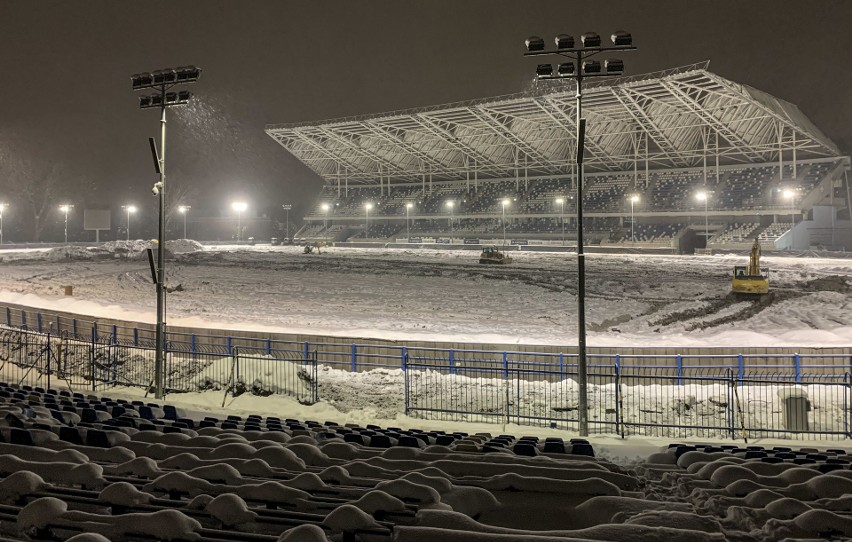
(678, 395)
(668, 401)
(46, 360)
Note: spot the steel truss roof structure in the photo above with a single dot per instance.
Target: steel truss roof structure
(674, 119)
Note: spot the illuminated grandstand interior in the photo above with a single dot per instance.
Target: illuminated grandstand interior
(663, 137)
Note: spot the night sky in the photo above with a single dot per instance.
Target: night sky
(68, 112)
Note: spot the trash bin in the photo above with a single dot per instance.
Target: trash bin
(794, 409)
(274, 241)
(69, 290)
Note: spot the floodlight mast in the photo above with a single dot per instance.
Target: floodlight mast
(590, 46)
(161, 81)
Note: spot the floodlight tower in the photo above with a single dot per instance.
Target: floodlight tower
(578, 69)
(184, 209)
(450, 205)
(65, 208)
(408, 207)
(161, 82)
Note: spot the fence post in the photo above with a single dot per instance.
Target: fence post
(846, 395)
(407, 390)
(679, 365)
(49, 355)
(8, 317)
(618, 427)
(452, 355)
(58, 324)
(192, 345)
(561, 365)
(269, 348)
(740, 367)
(731, 413)
(305, 351)
(354, 367)
(797, 366)
(38, 321)
(94, 332)
(74, 326)
(23, 318)
(136, 336)
(505, 366)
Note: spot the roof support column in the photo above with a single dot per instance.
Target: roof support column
(780, 151)
(795, 171)
(704, 136)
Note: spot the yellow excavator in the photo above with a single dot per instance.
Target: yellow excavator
(749, 280)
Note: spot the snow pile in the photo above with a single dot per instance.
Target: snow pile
(182, 246)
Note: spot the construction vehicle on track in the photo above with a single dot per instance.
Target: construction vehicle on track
(491, 255)
(749, 280)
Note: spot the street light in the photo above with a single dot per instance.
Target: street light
(325, 208)
(505, 203)
(561, 202)
(239, 207)
(65, 208)
(790, 195)
(633, 199)
(161, 81)
(578, 69)
(129, 209)
(704, 196)
(183, 210)
(451, 204)
(367, 207)
(287, 208)
(408, 207)
(2, 206)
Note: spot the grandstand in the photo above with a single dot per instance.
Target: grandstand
(662, 136)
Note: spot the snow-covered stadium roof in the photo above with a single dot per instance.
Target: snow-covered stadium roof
(672, 119)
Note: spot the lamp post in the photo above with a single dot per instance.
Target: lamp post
(451, 205)
(578, 69)
(408, 207)
(161, 81)
(129, 209)
(561, 202)
(325, 208)
(367, 207)
(183, 210)
(65, 208)
(239, 207)
(2, 206)
(790, 195)
(704, 196)
(504, 204)
(633, 199)
(287, 208)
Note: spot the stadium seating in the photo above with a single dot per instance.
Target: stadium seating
(255, 478)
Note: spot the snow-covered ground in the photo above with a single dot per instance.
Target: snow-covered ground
(445, 296)
(426, 294)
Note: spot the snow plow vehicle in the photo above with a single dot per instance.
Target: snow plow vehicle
(491, 255)
(749, 280)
